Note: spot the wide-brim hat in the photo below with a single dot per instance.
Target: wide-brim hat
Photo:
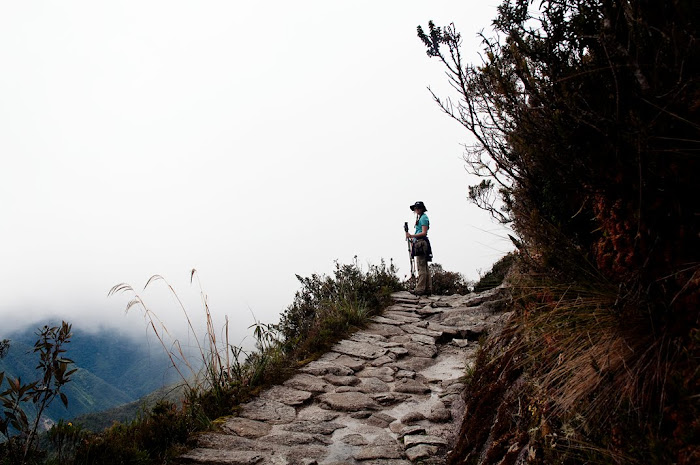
(418, 204)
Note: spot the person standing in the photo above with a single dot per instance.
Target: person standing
(421, 249)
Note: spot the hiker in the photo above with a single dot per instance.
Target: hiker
(421, 249)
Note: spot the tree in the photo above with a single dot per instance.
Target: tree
(586, 128)
(585, 115)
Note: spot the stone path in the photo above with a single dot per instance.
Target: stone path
(388, 395)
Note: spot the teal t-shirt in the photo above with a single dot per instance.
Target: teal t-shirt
(423, 221)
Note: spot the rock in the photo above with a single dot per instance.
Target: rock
(413, 363)
(341, 389)
(385, 330)
(455, 388)
(320, 368)
(268, 410)
(408, 430)
(350, 362)
(386, 321)
(246, 427)
(315, 413)
(412, 417)
(413, 329)
(347, 401)
(380, 419)
(401, 339)
(361, 415)
(414, 439)
(411, 386)
(354, 440)
(369, 338)
(383, 360)
(313, 427)
(429, 310)
(423, 339)
(416, 349)
(378, 452)
(460, 342)
(421, 451)
(405, 374)
(439, 414)
(342, 380)
(307, 382)
(373, 385)
(286, 395)
(386, 374)
(359, 349)
(402, 317)
(389, 398)
(289, 438)
(224, 457)
(399, 351)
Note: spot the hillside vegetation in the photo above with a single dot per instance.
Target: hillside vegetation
(112, 369)
(585, 118)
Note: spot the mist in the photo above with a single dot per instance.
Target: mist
(251, 142)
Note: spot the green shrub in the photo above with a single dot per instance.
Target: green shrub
(448, 282)
(327, 307)
(495, 276)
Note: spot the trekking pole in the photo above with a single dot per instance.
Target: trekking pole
(410, 257)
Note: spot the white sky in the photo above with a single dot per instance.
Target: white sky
(250, 140)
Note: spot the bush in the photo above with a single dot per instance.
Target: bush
(327, 307)
(495, 276)
(448, 282)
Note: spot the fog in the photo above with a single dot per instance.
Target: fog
(249, 141)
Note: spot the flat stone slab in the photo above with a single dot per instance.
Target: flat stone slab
(313, 427)
(290, 438)
(421, 451)
(385, 374)
(373, 386)
(413, 329)
(270, 411)
(223, 457)
(350, 362)
(385, 330)
(359, 349)
(320, 368)
(390, 398)
(403, 317)
(386, 321)
(416, 349)
(415, 439)
(286, 395)
(342, 380)
(347, 401)
(307, 382)
(246, 427)
(423, 339)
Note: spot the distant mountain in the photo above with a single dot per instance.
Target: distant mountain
(113, 369)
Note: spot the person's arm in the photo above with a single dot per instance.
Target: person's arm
(423, 233)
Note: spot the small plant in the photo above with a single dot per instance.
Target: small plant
(17, 425)
(65, 439)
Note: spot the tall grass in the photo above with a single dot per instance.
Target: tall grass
(222, 375)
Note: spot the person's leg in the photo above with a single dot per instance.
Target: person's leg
(422, 285)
